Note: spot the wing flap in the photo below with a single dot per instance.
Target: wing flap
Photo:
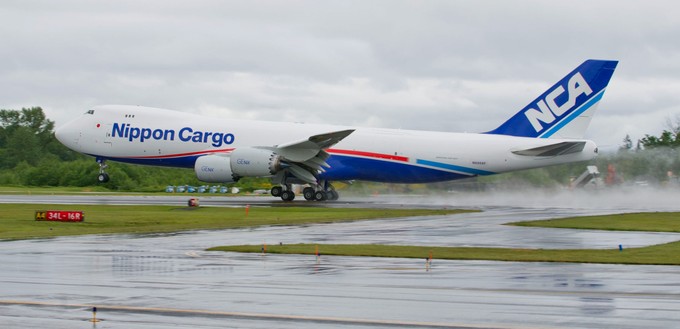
(302, 173)
(309, 148)
(306, 159)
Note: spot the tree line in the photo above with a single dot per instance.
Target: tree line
(30, 155)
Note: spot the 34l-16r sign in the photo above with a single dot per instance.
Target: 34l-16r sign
(59, 215)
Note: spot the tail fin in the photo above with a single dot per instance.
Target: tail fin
(564, 110)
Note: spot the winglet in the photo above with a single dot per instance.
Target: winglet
(564, 110)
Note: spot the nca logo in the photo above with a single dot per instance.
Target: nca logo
(548, 109)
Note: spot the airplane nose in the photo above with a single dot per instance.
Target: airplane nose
(60, 134)
(67, 135)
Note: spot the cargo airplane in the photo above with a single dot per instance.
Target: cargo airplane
(548, 131)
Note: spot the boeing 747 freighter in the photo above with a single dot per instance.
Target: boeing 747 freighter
(548, 131)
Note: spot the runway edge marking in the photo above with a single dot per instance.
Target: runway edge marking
(262, 316)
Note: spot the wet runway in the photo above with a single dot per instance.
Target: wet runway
(167, 280)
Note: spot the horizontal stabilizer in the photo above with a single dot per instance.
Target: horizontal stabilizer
(553, 149)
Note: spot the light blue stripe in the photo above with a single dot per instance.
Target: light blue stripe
(573, 115)
(454, 167)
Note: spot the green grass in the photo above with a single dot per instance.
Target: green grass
(17, 220)
(652, 222)
(663, 254)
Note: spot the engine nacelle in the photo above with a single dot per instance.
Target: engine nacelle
(250, 161)
(242, 162)
(214, 169)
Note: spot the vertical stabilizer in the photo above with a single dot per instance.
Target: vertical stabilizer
(564, 110)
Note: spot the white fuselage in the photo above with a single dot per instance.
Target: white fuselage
(170, 138)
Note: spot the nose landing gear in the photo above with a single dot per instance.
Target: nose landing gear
(103, 177)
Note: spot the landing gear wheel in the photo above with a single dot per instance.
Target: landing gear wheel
(320, 196)
(287, 196)
(277, 190)
(103, 178)
(308, 193)
(333, 195)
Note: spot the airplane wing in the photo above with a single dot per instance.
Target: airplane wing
(306, 158)
(306, 149)
(551, 150)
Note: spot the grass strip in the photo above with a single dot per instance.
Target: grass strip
(651, 222)
(664, 254)
(17, 220)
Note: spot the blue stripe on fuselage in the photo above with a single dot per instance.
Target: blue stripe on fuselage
(447, 166)
(351, 168)
(179, 162)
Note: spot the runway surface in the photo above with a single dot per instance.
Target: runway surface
(167, 280)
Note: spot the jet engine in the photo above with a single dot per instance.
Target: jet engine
(242, 162)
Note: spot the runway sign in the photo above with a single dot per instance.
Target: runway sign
(59, 215)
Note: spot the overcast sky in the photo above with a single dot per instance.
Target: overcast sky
(426, 65)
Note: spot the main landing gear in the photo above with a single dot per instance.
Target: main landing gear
(285, 192)
(309, 193)
(103, 177)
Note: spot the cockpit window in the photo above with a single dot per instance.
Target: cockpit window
(90, 112)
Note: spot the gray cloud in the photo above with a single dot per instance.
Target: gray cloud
(436, 65)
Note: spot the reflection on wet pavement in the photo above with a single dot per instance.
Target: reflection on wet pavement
(167, 280)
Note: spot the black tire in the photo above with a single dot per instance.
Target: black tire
(287, 196)
(308, 193)
(320, 196)
(277, 190)
(103, 178)
(333, 195)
